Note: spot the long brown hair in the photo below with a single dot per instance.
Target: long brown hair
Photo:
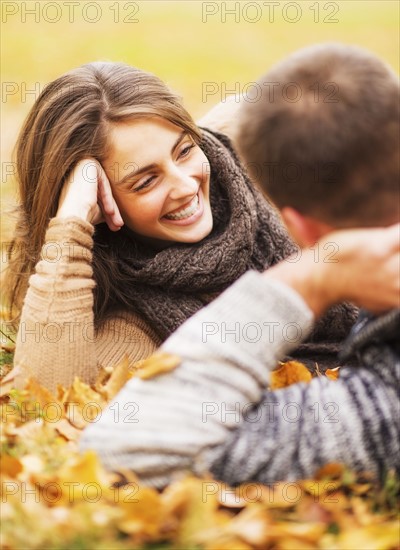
(68, 122)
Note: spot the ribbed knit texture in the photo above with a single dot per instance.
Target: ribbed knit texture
(354, 421)
(214, 414)
(56, 340)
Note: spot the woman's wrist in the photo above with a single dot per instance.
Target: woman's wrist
(78, 211)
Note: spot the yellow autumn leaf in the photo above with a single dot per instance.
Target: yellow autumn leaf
(158, 363)
(83, 479)
(67, 430)
(252, 525)
(305, 531)
(373, 537)
(227, 542)
(48, 407)
(83, 404)
(142, 511)
(194, 503)
(118, 378)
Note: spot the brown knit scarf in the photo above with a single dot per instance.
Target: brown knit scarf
(167, 287)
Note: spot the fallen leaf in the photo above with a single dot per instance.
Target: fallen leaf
(252, 525)
(374, 537)
(332, 374)
(142, 512)
(332, 470)
(119, 376)
(10, 466)
(289, 373)
(158, 363)
(67, 430)
(307, 532)
(83, 404)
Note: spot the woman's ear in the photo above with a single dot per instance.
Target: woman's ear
(305, 230)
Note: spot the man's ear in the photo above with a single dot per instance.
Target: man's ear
(304, 229)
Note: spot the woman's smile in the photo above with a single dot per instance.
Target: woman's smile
(189, 213)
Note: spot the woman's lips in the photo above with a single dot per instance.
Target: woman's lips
(192, 218)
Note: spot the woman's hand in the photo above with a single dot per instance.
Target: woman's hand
(364, 269)
(87, 194)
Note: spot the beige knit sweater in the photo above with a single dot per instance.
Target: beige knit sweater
(56, 340)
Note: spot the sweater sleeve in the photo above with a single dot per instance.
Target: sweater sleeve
(169, 424)
(293, 432)
(56, 339)
(224, 117)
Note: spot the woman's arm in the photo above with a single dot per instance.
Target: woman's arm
(184, 420)
(56, 340)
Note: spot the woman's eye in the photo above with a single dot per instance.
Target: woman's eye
(144, 184)
(185, 151)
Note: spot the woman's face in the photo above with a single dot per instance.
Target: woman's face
(160, 180)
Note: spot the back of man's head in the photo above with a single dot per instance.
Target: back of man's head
(324, 136)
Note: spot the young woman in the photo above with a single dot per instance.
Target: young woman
(131, 220)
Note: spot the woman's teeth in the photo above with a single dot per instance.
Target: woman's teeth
(186, 212)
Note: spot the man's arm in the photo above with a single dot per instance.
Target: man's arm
(168, 424)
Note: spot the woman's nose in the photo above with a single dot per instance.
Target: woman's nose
(182, 185)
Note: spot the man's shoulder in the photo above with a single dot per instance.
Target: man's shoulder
(373, 330)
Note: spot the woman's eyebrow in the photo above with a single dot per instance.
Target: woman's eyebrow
(140, 171)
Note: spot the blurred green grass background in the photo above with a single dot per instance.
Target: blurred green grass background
(183, 42)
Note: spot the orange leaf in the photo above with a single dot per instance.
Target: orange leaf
(332, 470)
(333, 374)
(289, 373)
(10, 466)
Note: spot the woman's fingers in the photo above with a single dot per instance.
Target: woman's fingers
(109, 206)
(87, 194)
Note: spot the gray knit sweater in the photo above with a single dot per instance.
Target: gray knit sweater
(214, 414)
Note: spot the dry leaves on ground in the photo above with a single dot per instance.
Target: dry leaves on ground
(53, 497)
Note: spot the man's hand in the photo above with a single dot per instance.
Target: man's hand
(365, 270)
